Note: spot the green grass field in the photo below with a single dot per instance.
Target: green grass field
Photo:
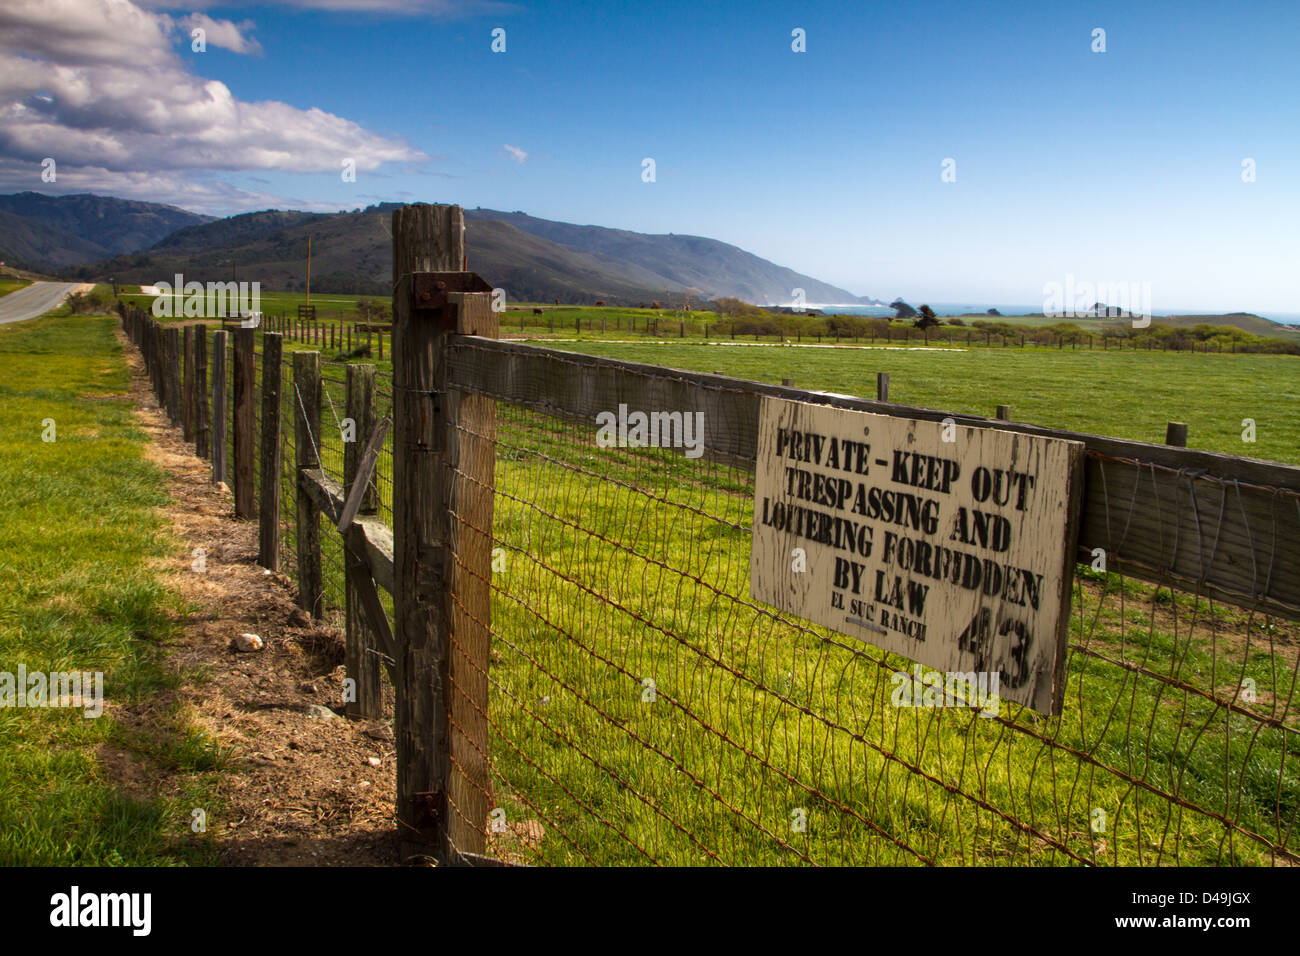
(79, 591)
(12, 285)
(1123, 394)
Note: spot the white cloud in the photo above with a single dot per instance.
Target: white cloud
(517, 154)
(223, 33)
(98, 86)
(188, 190)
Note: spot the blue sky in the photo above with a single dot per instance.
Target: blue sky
(1122, 166)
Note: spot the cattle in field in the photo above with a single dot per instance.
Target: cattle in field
(600, 301)
(537, 311)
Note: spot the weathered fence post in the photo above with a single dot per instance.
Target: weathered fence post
(443, 458)
(201, 433)
(174, 375)
(1004, 413)
(146, 347)
(245, 423)
(218, 407)
(157, 357)
(882, 386)
(187, 386)
(360, 661)
(306, 417)
(268, 522)
(1176, 434)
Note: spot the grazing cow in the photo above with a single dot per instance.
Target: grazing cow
(537, 311)
(600, 301)
(654, 305)
(557, 301)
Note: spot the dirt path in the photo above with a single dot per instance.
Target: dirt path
(304, 786)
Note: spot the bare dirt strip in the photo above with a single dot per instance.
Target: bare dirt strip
(303, 785)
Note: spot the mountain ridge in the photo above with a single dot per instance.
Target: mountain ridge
(533, 259)
(59, 231)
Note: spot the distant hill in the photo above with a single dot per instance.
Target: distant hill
(352, 253)
(1246, 321)
(50, 232)
(31, 244)
(691, 262)
(1255, 324)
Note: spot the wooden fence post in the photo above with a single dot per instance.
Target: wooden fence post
(245, 423)
(157, 354)
(201, 427)
(882, 386)
(439, 431)
(425, 239)
(1176, 434)
(360, 662)
(202, 432)
(268, 527)
(187, 386)
(218, 407)
(306, 417)
(174, 375)
(1004, 413)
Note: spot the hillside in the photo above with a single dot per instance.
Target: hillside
(50, 232)
(686, 261)
(351, 253)
(1254, 324)
(27, 243)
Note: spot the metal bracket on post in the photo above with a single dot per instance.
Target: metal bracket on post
(426, 807)
(429, 293)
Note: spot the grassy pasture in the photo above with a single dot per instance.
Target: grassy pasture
(1124, 394)
(79, 591)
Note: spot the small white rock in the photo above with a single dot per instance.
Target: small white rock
(248, 643)
(374, 761)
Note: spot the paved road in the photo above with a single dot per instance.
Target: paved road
(33, 300)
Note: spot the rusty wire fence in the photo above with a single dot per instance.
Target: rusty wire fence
(644, 710)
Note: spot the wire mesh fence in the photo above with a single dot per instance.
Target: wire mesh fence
(644, 709)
